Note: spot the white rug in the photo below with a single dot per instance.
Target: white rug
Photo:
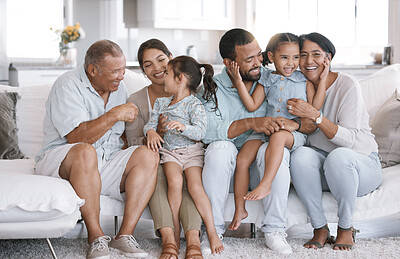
(234, 248)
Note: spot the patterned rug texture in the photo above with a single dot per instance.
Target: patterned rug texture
(234, 248)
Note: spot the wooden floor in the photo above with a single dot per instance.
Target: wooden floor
(382, 227)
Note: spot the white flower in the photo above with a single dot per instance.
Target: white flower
(81, 33)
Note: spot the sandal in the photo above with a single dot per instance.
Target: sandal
(353, 234)
(329, 239)
(170, 246)
(193, 247)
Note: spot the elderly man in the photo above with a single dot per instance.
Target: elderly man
(85, 118)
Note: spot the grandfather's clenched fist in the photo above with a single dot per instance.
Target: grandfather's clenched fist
(126, 112)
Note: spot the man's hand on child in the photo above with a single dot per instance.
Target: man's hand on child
(268, 125)
(162, 124)
(288, 125)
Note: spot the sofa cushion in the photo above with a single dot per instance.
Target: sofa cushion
(386, 128)
(9, 148)
(35, 197)
(379, 86)
(31, 110)
(30, 116)
(135, 81)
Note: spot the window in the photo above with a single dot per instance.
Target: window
(357, 28)
(28, 28)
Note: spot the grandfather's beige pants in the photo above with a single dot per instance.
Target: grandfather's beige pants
(161, 212)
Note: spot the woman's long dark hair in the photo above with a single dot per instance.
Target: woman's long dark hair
(192, 70)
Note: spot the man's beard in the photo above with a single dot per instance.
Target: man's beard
(247, 77)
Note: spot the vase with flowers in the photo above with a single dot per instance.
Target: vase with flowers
(67, 37)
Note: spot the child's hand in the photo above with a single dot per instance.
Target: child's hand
(233, 71)
(154, 140)
(325, 72)
(176, 125)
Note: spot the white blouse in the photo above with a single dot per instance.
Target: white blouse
(344, 105)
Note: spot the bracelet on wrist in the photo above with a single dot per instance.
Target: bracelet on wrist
(298, 121)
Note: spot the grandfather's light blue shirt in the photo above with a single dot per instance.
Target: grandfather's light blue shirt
(189, 111)
(73, 100)
(230, 109)
(279, 89)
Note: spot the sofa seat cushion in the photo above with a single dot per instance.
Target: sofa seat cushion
(28, 197)
(382, 202)
(113, 207)
(22, 166)
(52, 228)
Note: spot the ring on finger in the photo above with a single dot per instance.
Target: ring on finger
(289, 107)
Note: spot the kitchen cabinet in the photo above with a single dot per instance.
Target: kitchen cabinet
(186, 14)
(31, 76)
(358, 71)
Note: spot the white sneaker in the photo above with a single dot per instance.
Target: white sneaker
(99, 248)
(128, 245)
(205, 244)
(276, 241)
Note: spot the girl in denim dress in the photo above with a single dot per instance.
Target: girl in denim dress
(275, 88)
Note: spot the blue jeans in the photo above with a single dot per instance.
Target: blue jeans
(218, 171)
(345, 173)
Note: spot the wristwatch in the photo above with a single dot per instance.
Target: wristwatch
(319, 119)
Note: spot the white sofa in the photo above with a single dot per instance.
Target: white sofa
(33, 206)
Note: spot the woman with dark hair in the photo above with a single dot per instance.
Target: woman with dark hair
(153, 57)
(341, 156)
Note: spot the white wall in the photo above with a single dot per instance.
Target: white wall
(3, 41)
(87, 13)
(394, 29)
(206, 42)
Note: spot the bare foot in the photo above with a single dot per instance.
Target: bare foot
(345, 239)
(258, 193)
(320, 238)
(237, 219)
(177, 235)
(215, 243)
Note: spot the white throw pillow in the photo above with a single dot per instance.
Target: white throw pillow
(386, 128)
(378, 87)
(135, 81)
(48, 197)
